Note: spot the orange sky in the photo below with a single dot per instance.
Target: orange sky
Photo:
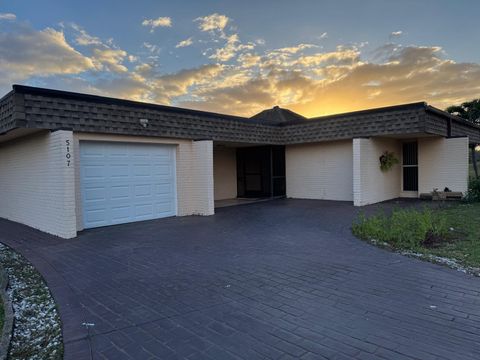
(207, 63)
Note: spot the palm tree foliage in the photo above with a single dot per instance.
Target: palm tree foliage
(469, 110)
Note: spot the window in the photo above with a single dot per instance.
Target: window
(410, 166)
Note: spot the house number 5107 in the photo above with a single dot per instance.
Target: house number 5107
(68, 156)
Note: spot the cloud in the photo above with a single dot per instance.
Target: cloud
(237, 77)
(105, 55)
(249, 60)
(338, 57)
(151, 47)
(184, 43)
(8, 16)
(109, 59)
(341, 81)
(213, 22)
(164, 21)
(25, 52)
(231, 48)
(83, 38)
(125, 87)
(296, 49)
(166, 88)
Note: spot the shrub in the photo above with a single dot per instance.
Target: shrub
(473, 194)
(404, 228)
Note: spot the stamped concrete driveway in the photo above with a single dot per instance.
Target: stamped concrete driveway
(275, 280)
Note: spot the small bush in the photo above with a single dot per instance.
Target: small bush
(473, 194)
(404, 228)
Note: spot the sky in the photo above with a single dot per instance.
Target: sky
(315, 57)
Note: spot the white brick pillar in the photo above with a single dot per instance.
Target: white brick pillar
(370, 184)
(37, 182)
(357, 171)
(64, 187)
(202, 171)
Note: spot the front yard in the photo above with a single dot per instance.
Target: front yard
(449, 231)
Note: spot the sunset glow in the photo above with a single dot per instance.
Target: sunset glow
(221, 59)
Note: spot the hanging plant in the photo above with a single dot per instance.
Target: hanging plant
(387, 160)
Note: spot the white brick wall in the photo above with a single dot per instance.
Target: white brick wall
(201, 190)
(37, 185)
(442, 163)
(320, 171)
(225, 172)
(194, 169)
(370, 184)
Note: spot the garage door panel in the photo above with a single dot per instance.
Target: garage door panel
(143, 211)
(163, 189)
(162, 170)
(119, 170)
(94, 172)
(143, 190)
(95, 193)
(96, 217)
(142, 169)
(163, 207)
(119, 192)
(121, 213)
(125, 182)
(96, 150)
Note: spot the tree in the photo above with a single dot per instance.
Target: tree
(470, 111)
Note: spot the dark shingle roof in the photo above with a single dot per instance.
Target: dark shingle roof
(277, 115)
(36, 108)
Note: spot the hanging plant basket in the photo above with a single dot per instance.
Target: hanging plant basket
(388, 160)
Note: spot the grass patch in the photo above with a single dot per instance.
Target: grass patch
(451, 231)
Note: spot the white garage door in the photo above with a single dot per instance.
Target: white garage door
(126, 182)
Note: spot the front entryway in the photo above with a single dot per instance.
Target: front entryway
(126, 182)
(261, 171)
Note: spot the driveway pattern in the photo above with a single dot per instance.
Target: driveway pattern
(283, 279)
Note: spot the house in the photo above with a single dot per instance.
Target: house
(72, 161)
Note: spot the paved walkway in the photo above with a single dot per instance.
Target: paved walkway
(275, 280)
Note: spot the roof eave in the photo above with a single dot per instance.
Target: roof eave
(23, 89)
(447, 115)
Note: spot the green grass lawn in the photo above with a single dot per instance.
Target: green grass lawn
(465, 247)
(451, 231)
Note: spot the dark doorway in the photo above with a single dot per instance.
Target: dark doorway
(410, 166)
(261, 171)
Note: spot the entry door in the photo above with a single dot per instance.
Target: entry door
(126, 182)
(253, 172)
(261, 171)
(410, 166)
